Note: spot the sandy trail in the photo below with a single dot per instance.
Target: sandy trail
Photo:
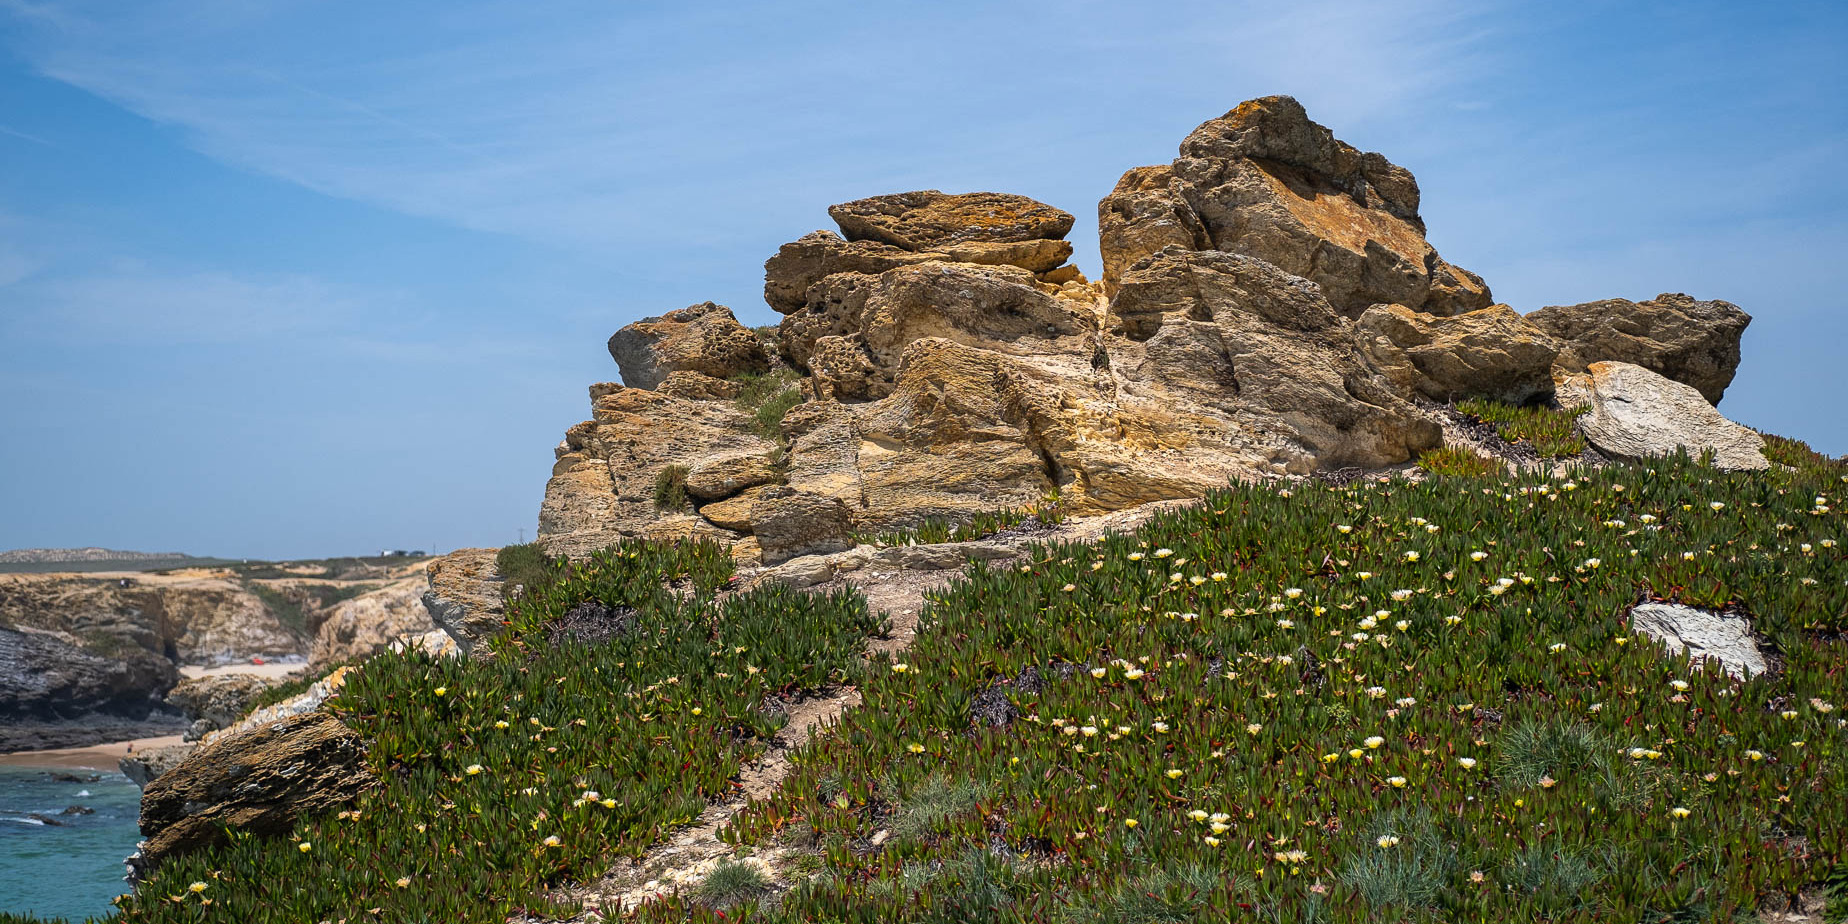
(99, 757)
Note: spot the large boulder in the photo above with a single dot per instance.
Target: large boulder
(928, 219)
(1638, 414)
(1265, 181)
(1489, 353)
(1693, 342)
(260, 780)
(790, 523)
(464, 597)
(704, 338)
(1702, 634)
(1241, 336)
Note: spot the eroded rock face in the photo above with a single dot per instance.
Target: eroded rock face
(369, 623)
(52, 678)
(1693, 342)
(1265, 181)
(260, 780)
(1243, 337)
(1489, 353)
(1702, 634)
(705, 338)
(1637, 414)
(464, 597)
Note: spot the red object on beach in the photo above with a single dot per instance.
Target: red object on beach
(256, 660)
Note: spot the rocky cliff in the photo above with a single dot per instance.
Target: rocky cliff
(1269, 304)
(91, 657)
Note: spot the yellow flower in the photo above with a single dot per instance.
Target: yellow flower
(196, 888)
(1374, 741)
(1197, 815)
(1387, 840)
(304, 846)
(900, 668)
(1397, 782)
(1467, 763)
(1679, 812)
(441, 691)
(473, 769)
(404, 881)
(551, 841)
(1253, 728)
(1478, 555)
(1130, 822)
(1754, 755)
(1411, 556)
(1212, 841)
(501, 724)
(1099, 672)
(915, 748)
(1176, 774)
(1357, 753)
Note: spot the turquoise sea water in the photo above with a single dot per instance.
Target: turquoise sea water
(73, 868)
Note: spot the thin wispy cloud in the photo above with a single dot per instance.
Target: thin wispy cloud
(596, 128)
(142, 306)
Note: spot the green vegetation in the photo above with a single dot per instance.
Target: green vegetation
(1553, 434)
(730, 883)
(766, 397)
(295, 686)
(523, 566)
(1049, 512)
(1798, 455)
(670, 488)
(1363, 703)
(547, 764)
(1371, 702)
(1458, 461)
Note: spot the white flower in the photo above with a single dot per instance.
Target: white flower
(1374, 741)
(1452, 619)
(1163, 553)
(1647, 518)
(1161, 728)
(473, 769)
(1219, 575)
(1593, 562)
(1478, 555)
(1253, 728)
(1197, 815)
(1467, 763)
(1405, 702)
(1285, 624)
(1411, 556)
(1376, 692)
(1099, 672)
(1293, 592)
(1090, 731)
(1397, 782)
(1556, 647)
(1402, 625)
(1401, 596)
(900, 668)
(1680, 685)
(551, 841)
(1717, 505)
(1344, 529)
(1365, 575)
(1754, 755)
(1679, 812)
(1135, 556)
(1387, 840)
(1133, 673)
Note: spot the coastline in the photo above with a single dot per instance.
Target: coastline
(98, 757)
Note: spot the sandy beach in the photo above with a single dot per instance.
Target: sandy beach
(269, 669)
(99, 757)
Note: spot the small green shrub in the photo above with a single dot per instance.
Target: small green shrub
(731, 883)
(1553, 434)
(1400, 860)
(767, 397)
(670, 488)
(1458, 462)
(524, 566)
(1798, 455)
(935, 801)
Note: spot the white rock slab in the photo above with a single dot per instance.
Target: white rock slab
(1702, 634)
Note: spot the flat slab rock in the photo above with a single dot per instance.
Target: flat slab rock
(1702, 634)
(1636, 414)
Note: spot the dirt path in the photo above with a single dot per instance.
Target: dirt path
(684, 860)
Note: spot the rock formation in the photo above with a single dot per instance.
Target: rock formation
(358, 628)
(1269, 304)
(1693, 342)
(464, 598)
(1265, 181)
(216, 701)
(258, 780)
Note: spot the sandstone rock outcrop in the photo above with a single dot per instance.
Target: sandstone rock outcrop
(258, 780)
(1693, 342)
(1637, 414)
(1490, 353)
(1265, 181)
(367, 624)
(704, 338)
(464, 598)
(147, 765)
(53, 687)
(1269, 305)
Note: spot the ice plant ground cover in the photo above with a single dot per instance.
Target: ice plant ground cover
(1384, 701)
(543, 765)
(1378, 702)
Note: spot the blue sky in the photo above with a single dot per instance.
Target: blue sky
(310, 278)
